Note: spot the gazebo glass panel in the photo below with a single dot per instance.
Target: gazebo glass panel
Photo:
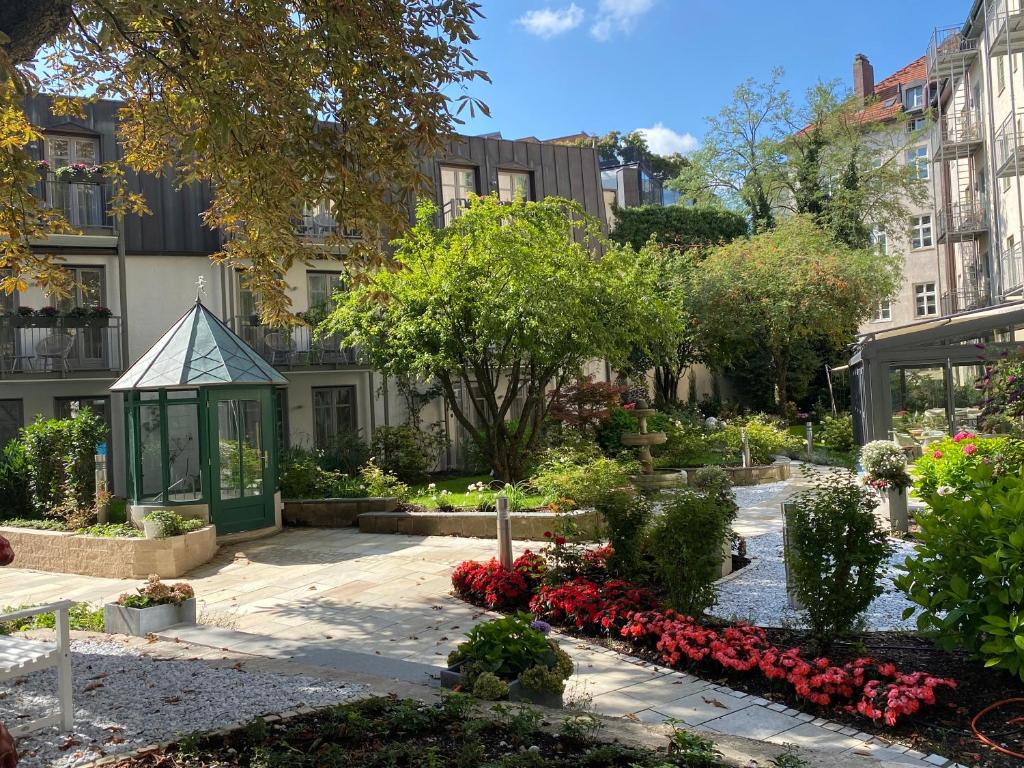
(251, 447)
(966, 398)
(185, 481)
(152, 485)
(919, 401)
(230, 462)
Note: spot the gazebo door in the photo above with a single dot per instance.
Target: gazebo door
(241, 436)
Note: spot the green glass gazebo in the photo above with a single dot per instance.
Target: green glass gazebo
(200, 427)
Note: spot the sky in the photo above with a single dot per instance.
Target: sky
(563, 66)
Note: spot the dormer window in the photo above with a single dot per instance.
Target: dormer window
(457, 183)
(513, 185)
(914, 97)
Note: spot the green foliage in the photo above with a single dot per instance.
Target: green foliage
(380, 483)
(112, 531)
(575, 479)
(170, 523)
(696, 749)
(836, 432)
(949, 463)
(15, 488)
(508, 647)
(764, 435)
(489, 687)
(406, 451)
(42, 524)
(627, 514)
(346, 454)
(60, 456)
(302, 476)
(838, 552)
(1003, 395)
(81, 616)
(687, 542)
(711, 480)
(501, 288)
(966, 574)
(580, 729)
(677, 226)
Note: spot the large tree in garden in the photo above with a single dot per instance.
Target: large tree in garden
(275, 103)
(782, 289)
(507, 303)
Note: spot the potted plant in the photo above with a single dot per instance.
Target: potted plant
(162, 523)
(155, 607)
(45, 317)
(885, 467)
(510, 658)
(99, 317)
(76, 317)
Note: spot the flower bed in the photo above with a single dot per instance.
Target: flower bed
(874, 690)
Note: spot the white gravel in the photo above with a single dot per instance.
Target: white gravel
(755, 495)
(757, 593)
(124, 701)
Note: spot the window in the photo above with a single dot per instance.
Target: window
(921, 232)
(916, 124)
(80, 201)
(321, 288)
(12, 419)
(925, 299)
(513, 185)
(884, 312)
(457, 184)
(880, 240)
(334, 413)
(1005, 183)
(915, 97)
(1001, 73)
(918, 156)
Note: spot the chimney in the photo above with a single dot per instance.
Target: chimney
(863, 77)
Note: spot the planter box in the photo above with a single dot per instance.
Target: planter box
(529, 526)
(451, 677)
(894, 508)
(62, 552)
(119, 620)
(334, 513)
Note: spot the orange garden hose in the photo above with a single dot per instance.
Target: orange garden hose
(985, 739)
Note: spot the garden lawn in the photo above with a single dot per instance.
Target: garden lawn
(462, 498)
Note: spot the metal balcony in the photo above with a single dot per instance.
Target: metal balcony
(976, 297)
(956, 136)
(84, 201)
(962, 221)
(296, 347)
(1005, 26)
(949, 49)
(1011, 266)
(1010, 146)
(59, 347)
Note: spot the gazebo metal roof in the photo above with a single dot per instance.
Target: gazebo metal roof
(198, 351)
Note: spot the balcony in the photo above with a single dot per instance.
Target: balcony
(1011, 266)
(965, 220)
(956, 135)
(1010, 146)
(295, 347)
(964, 301)
(59, 347)
(451, 210)
(949, 50)
(321, 227)
(84, 200)
(1005, 26)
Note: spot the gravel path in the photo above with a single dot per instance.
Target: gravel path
(124, 701)
(757, 593)
(753, 495)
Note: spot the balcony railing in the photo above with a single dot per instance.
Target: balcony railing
(962, 220)
(1005, 26)
(59, 347)
(975, 297)
(1011, 265)
(949, 46)
(1010, 146)
(85, 202)
(452, 209)
(320, 227)
(295, 347)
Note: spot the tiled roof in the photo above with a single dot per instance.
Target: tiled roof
(886, 103)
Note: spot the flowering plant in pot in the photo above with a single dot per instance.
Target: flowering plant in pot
(152, 608)
(512, 658)
(885, 467)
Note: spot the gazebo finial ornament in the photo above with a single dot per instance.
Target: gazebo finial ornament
(200, 287)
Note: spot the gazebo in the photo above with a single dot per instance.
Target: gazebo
(200, 427)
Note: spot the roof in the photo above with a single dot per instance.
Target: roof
(888, 102)
(198, 351)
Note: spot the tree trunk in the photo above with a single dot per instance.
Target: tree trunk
(666, 385)
(31, 24)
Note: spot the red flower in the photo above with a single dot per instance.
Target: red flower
(547, 534)
(559, 541)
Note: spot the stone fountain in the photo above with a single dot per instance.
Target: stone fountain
(650, 479)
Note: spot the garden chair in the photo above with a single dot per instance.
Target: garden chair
(19, 657)
(55, 347)
(280, 347)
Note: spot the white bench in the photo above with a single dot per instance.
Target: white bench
(20, 657)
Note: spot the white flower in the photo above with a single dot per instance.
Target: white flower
(945, 490)
(432, 486)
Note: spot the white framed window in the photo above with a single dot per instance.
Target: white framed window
(914, 97)
(513, 185)
(921, 232)
(457, 184)
(918, 157)
(925, 300)
(916, 124)
(884, 312)
(322, 287)
(880, 240)
(334, 414)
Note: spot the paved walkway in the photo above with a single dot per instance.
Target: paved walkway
(308, 591)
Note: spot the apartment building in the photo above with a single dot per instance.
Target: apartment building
(138, 275)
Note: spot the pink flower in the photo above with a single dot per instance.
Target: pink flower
(937, 455)
(970, 449)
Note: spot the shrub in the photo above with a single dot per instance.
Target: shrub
(112, 531)
(172, 524)
(377, 482)
(346, 454)
(609, 431)
(81, 616)
(885, 464)
(687, 542)
(41, 524)
(836, 433)
(489, 687)
(155, 592)
(585, 404)
(966, 571)
(688, 443)
(15, 489)
(949, 462)
(765, 437)
(301, 476)
(574, 479)
(837, 553)
(1003, 390)
(627, 515)
(406, 452)
(712, 480)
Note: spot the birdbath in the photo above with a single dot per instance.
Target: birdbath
(649, 479)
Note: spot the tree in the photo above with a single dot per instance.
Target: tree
(781, 289)
(501, 308)
(677, 227)
(275, 103)
(632, 146)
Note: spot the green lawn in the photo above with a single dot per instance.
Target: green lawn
(462, 498)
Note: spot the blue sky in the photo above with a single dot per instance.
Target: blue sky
(561, 66)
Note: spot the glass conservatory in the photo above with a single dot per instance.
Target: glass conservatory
(200, 427)
(916, 383)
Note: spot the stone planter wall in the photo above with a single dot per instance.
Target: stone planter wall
(334, 513)
(756, 475)
(530, 526)
(111, 558)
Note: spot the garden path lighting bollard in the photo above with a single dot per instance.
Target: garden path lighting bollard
(504, 533)
(788, 510)
(809, 427)
(745, 447)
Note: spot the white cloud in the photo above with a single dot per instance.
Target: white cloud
(618, 16)
(664, 141)
(551, 22)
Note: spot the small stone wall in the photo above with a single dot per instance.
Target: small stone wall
(529, 526)
(334, 513)
(114, 558)
(762, 473)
